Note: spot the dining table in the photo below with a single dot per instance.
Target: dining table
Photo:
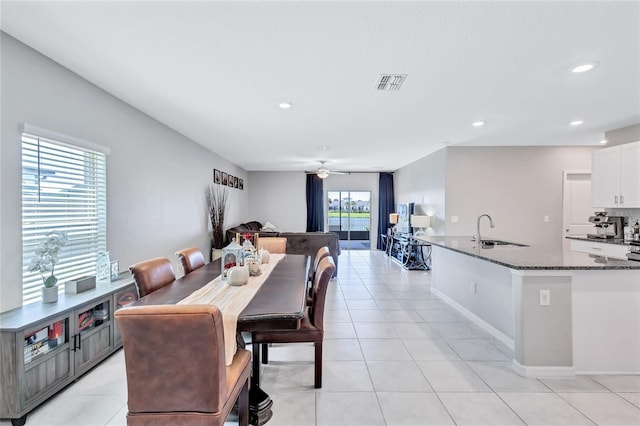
(278, 304)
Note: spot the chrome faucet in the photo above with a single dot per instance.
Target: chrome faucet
(477, 236)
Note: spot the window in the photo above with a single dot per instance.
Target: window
(64, 188)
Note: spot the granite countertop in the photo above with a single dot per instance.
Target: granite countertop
(530, 257)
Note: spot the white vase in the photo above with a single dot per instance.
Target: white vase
(50, 294)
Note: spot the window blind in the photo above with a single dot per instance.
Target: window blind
(64, 188)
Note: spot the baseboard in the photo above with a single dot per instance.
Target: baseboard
(476, 319)
(541, 372)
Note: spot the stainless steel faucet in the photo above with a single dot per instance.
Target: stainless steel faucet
(477, 236)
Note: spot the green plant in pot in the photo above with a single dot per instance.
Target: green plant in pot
(217, 199)
(44, 261)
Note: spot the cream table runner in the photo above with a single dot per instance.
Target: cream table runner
(231, 300)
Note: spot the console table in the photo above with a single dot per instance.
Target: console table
(411, 253)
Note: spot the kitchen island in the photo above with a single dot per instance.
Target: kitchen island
(562, 312)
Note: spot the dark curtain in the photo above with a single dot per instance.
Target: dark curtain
(315, 207)
(386, 205)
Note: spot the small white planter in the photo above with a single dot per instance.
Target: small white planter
(50, 294)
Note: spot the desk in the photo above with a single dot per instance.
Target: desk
(409, 251)
(279, 304)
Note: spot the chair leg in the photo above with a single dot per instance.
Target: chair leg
(265, 353)
(243, 405)
(318, 365)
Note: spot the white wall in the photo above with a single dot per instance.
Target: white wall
(280, 198)
(155, 176)
(423, 183)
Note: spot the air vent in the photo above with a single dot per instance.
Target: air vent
(391, 82)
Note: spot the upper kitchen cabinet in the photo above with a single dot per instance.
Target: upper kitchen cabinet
(615, 176)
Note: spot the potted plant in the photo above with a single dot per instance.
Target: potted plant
(217, 199)
(44, 262)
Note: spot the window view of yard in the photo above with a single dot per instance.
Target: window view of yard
(349, 214)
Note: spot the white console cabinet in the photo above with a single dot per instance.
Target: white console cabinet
(616, 176)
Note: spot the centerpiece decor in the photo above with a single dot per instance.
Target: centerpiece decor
(217, 199)
(44, 261)
(232, 256)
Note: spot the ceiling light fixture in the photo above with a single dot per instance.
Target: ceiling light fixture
(478, 123)
(322, 173)
(603, 142)
(576, 123)
(285, 105)
(584, 67)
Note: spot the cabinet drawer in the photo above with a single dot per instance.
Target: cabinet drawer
(601, 249)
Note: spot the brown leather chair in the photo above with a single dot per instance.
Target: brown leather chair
(152, 274)
(273, 244)
(175, 363)
(191, 258)
(321, 254)
(311, 326)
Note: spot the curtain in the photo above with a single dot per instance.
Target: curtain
(386, 205)
(315, 206)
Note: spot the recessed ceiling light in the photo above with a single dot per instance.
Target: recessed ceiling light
(576, 123)
(584, 67)
(285, 105)
(603, 142)
(325, 148)
(478, 123)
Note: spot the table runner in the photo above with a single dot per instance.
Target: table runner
(231, 300)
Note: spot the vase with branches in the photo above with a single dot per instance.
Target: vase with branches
(217, 199)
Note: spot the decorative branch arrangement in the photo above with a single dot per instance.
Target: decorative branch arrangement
(217, 199)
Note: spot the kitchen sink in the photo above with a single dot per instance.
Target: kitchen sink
(491, 243)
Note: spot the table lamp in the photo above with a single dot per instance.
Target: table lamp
(393, 221)
(420, 222)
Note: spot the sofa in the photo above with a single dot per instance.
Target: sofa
(297, 242)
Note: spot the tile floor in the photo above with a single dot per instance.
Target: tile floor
(393, 355)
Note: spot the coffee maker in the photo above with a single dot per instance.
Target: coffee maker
(607, 226)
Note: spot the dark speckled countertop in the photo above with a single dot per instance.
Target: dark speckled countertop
(530, 257)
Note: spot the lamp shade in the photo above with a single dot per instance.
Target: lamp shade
(420, 221)
(393, 218)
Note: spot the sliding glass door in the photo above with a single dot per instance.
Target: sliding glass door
(349, 214)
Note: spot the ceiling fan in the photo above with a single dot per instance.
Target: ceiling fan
(323, 172)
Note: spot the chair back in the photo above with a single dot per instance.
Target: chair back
(320, 285)
(152, 274)
(190, 258)
(273, 244)
(174, 357)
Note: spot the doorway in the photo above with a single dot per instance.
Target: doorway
(349, 216)
(576, 205)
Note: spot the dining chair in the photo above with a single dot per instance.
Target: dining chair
(152, 275)
(273, 244)
(190, 258)
(175, 366)
(320, 254)
(311, 326)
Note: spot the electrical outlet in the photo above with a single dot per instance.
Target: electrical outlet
(454, 219)
(473, 287)
(545, 219)
(545, 298)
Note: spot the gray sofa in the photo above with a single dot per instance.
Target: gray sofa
(297, 242)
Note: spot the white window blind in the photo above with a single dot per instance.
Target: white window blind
(64, 188)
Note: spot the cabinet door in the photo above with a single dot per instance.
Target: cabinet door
(605, 177)
(93, 338)
(630, 175)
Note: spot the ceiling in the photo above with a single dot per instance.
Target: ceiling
(216, 72)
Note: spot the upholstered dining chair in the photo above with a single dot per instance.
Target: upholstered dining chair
(175, 365)
(320, 254)
(152, 274)
(311, 326)
(273, 244)
(190, 258)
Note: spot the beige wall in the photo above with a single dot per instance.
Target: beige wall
(155, 176)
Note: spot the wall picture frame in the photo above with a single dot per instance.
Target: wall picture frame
(235, 182)
(223, 178)
(230, 181)
(216, 176)
(241, 184)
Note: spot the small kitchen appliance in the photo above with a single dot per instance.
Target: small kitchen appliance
(607, 226)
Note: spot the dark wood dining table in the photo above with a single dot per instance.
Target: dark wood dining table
(278, 304)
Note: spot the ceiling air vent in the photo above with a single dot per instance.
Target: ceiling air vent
(390, 82)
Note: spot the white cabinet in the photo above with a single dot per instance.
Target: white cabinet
(616, 177)
(616, 251)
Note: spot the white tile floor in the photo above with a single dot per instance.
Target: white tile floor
(394, 355)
